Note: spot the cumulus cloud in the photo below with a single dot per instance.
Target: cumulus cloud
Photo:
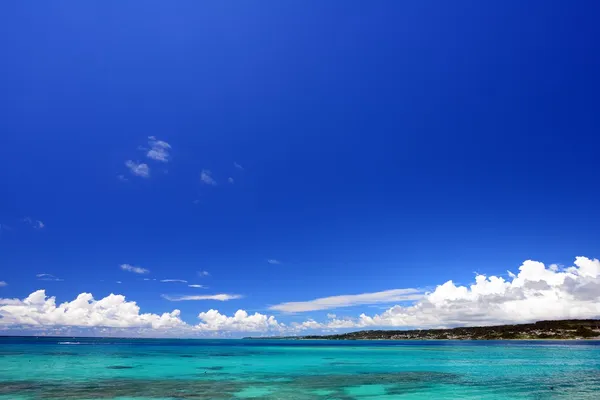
(134, 269)
(159, 150)
(196, 286)
(273, 261)
(114, 315)
(138, 169)
(173, 280)
(326, 303)
(35, 223)
(48, 277)
(8, 302)
(238, 166)
(115, 311)
(203, 273)
(241, 321)
(2, 284)
(308, 324)
(206, 177)
(219, 297)
(536, 293)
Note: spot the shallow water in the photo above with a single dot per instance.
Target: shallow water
(128, 369)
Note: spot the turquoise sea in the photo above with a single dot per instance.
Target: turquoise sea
(127, 369)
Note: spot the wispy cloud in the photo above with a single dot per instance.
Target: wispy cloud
(35, 223)
(119, 282)
(134, 269)
(238, 166)
(122, 178)
(48, 277)
(2, 284)
(273, 261)
(197, 286)
(203, 273)
(218, 297)
(206, 177)
(173, 280)
(140, 169)
(327, 303)
(230, 180)
(159, 150)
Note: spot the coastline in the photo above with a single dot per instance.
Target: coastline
(584, 329)
(428, 340)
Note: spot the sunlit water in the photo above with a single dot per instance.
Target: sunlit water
(127, 369)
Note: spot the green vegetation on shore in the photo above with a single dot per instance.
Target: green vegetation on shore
(562, 329)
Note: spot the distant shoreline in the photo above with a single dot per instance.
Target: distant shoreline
(592, 339)
(585, 329)
(597, 338)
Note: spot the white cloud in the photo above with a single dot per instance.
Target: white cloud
(206, 177)
(173, 280)
(2, 284)
(535, 293)
(37, 224)
(197, 286)
(119, 282)
(112, 311)
(327, 303)
(273, 261)
(8, 302)
(203, 273)
(48, 277)
(140, 169)
(40, 313)
(338, 323)
(230, 180)
(241, 321)
(159, 150)
(122, 178)
(218, 297)
(238, 166)
(135, 270)
(308, 324)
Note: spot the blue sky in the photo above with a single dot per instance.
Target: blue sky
(359, 147)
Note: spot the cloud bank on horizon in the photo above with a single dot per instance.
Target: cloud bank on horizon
(536, 292)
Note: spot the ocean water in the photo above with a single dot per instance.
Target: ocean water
(128, 369)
